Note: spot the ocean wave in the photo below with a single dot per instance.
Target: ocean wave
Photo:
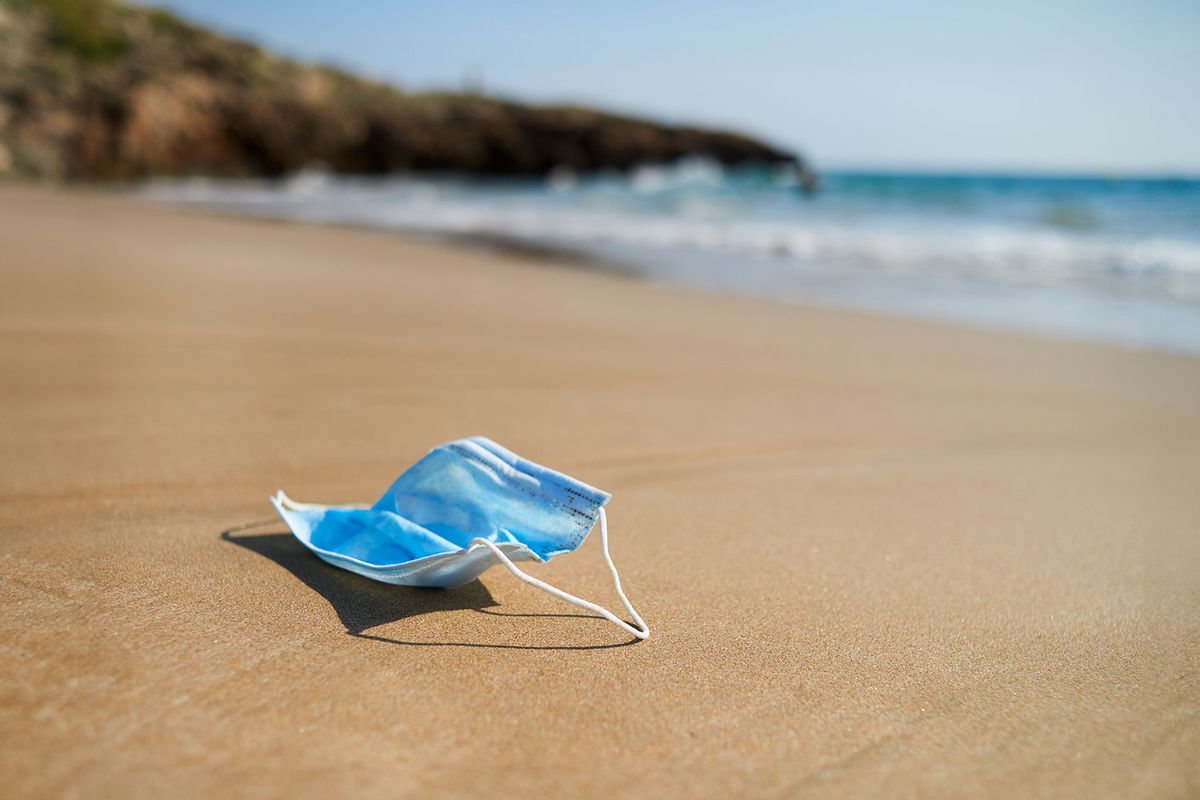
(699, 207)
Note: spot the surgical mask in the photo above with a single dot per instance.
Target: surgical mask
(464, 507)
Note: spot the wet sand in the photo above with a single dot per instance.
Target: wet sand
(879, 557)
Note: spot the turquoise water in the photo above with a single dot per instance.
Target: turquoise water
(1115, 260)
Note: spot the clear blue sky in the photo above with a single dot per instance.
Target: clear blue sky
(1053, 85)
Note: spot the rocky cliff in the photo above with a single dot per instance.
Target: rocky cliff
(91, 89)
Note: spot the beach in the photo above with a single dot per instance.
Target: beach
(879, 557)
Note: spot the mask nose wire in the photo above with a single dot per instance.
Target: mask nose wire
(641, 631)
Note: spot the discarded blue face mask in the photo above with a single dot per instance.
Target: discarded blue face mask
(458, 511)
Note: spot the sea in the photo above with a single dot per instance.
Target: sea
(1100, 258)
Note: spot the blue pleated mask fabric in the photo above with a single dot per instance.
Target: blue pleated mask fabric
(466, 506)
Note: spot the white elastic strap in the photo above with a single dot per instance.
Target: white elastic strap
(641, 631)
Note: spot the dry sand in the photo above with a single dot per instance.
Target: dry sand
(880, 558)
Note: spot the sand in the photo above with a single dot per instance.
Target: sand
(880, 557)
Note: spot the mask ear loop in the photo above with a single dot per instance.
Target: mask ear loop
(641, 631)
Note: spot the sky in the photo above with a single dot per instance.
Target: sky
(1023, 85)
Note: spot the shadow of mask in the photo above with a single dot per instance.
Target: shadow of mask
(362, 604)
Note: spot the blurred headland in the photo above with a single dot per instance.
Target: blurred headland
(99, 90)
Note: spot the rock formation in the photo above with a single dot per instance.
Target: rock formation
(96, 90)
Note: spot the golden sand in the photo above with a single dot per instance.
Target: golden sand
(880, 558)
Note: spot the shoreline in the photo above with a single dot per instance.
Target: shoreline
(566, 256)
(880, 556)
(1128, 317)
